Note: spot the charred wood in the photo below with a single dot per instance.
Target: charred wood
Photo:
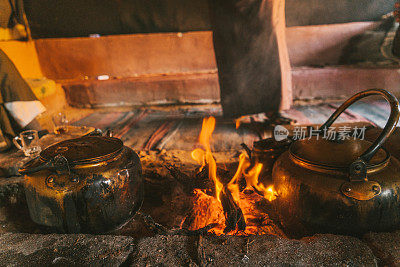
(189, 183)
(234, 219)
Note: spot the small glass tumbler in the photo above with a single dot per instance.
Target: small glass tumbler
(60, 123)
(28, 142)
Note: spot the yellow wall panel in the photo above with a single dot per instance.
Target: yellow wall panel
(24, 56)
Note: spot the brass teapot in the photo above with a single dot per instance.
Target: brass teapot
(349, 186)
(90, 184)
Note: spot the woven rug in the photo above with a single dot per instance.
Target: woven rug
(152, 129)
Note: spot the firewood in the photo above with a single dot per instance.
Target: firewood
(234, 219)
(185, 180)
(200, 180)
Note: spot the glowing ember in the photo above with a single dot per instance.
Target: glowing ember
(231, 201)
(208, 210)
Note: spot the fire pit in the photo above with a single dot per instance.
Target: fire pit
(184, 221)
(226, 202)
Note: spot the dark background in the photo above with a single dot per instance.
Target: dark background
(73, 18)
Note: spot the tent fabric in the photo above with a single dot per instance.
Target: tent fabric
(74, 18)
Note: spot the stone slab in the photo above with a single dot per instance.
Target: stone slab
(269, 250)
(219, 251)
(179, 250)
(166, 251)
(64, 250)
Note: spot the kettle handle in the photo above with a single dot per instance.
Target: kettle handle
(358, 168)
(58, 164)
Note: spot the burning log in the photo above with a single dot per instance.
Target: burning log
(185, 180)
(227, 191)
(234, 219)
(219, 198)
(200, 180)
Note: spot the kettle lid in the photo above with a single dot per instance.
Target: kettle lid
(83, 149)
(334, 155)
(73, 152)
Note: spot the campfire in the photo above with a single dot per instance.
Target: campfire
(228, 203)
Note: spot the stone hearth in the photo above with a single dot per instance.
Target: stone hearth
(24, 243)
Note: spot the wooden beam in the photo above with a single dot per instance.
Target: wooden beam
(323, 44)
(155, 90)
(340, 82)
(126, 55)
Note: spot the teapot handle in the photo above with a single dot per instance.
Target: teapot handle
(358, 169)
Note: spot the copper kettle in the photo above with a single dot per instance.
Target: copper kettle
(90, 184)
(348, 186)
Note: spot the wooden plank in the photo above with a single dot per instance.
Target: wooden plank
(284, 58)
(308, 83)
(126, 55)
(322, 44)
(341, 82)
(171, 89)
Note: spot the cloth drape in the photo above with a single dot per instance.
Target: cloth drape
(18, 105)
(247, 54)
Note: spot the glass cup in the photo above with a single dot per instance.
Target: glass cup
(28, 142)
(60, 123)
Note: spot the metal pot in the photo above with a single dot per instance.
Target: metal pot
(267, 151)
(339, 186)
(91, 184)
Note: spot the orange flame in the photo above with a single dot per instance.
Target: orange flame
(237, 123)
(204, 157)
(251, 177)
(206, 132)
(252, 180)
(199, 156)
